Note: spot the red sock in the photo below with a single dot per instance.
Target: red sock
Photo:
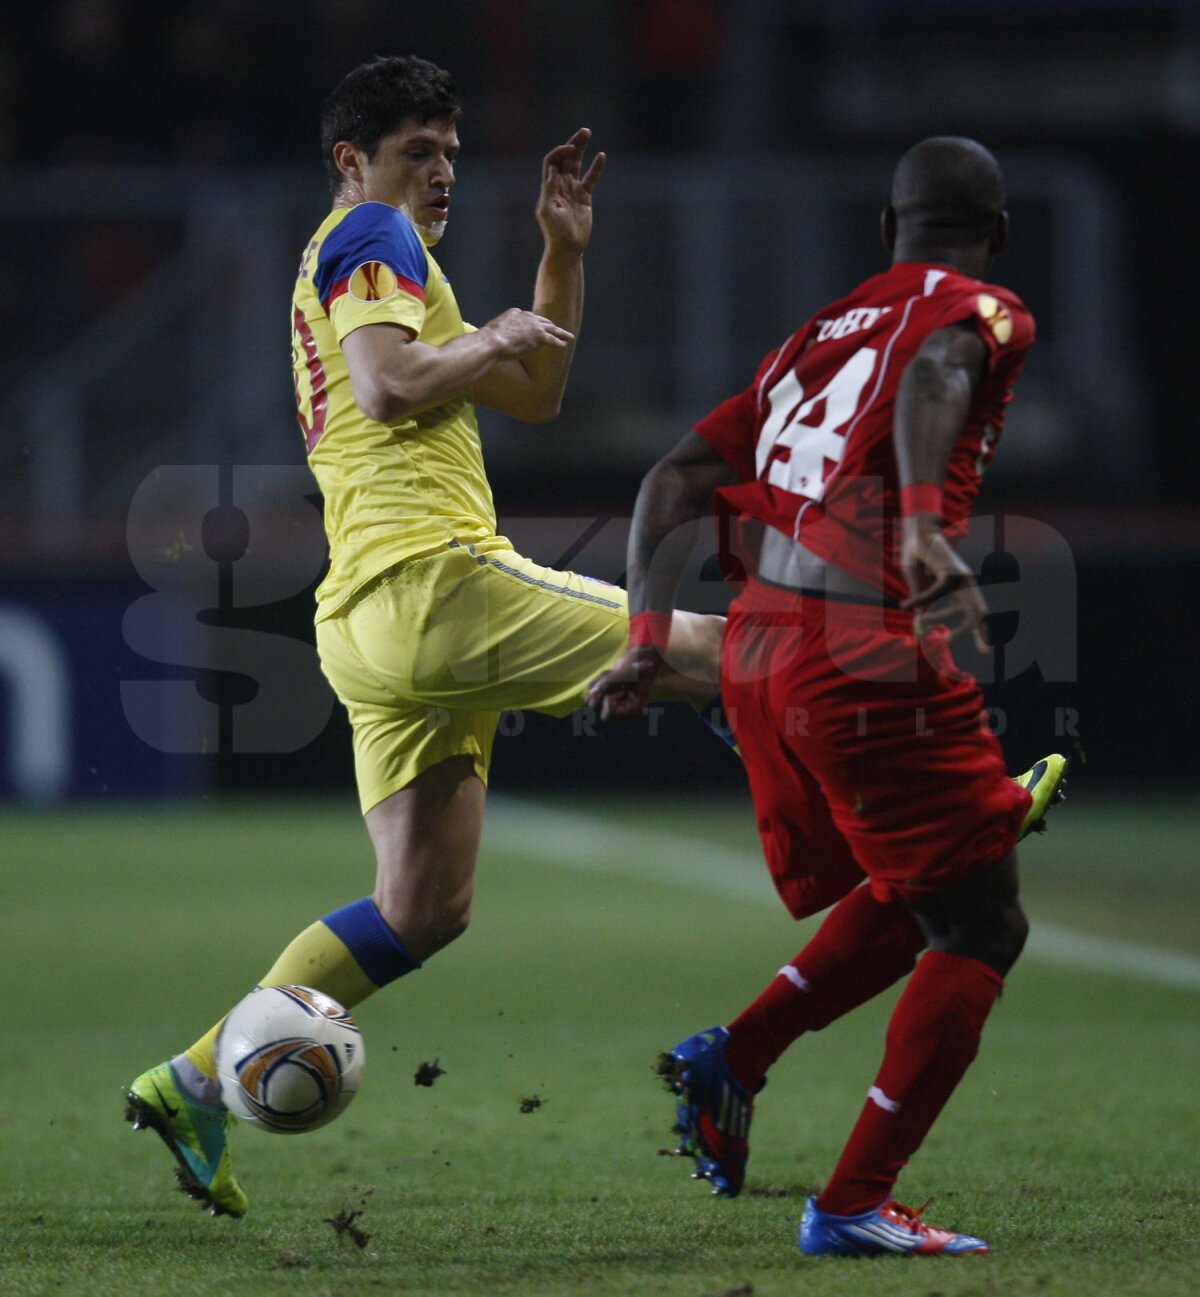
(861, 949)
(931, 1040)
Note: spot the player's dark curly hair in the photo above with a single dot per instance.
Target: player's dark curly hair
(374, 99)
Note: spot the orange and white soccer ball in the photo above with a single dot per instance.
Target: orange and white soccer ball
(289, 1059)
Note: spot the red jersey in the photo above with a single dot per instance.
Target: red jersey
(811, 437)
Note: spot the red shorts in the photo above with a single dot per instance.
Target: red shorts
(866, 750)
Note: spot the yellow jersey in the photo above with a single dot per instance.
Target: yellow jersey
(393, 491)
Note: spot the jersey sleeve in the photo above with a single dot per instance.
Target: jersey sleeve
(731, 431)
(1000, 318)
(1005, 324)
(732, 428)
(372, 269)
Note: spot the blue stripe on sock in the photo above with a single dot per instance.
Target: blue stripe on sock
(376, 948)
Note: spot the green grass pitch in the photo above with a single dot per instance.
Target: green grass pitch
(1071, 1145)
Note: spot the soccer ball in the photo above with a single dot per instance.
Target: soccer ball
(289, 1059)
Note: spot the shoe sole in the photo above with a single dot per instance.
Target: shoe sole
(670, 1069)
(1058, 796)
(142, 1116)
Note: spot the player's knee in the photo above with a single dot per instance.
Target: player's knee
(426, 925)
(1014, 932)
(993, 934)
(451, 923)
(999, 941)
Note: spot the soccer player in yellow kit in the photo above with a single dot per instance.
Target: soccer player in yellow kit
(428, 623)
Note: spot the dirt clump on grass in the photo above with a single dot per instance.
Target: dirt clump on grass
(345, 1222)
(344, 1226)
(428, 1073)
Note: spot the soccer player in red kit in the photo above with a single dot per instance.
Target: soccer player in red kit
(859, 449)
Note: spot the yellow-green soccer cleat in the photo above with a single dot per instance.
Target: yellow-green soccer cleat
(195, 1134)
(1046, 783)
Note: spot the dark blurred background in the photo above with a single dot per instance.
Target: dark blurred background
(160, 175)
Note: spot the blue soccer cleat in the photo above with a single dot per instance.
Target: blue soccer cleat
(891, 1229)
(712, 1111)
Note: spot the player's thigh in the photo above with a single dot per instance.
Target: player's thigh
(914, 779)
(396, 742)
(395, 738)
(809, 859)
(525, 636)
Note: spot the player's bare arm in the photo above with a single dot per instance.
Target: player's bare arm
(392, 374)
(530, 388)
(675, 495)
(931, 407)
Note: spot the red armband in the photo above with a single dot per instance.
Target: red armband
(650, 628)
(920, 497)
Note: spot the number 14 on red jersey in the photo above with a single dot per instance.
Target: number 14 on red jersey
(804, 437)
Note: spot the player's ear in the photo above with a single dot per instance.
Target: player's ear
(347, 159)
(887, 227)
(999, 239)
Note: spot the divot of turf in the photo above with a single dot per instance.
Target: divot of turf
(344, 1223)
(344, 1226)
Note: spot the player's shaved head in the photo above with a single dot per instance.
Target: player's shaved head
(947, 193)
(948, 182)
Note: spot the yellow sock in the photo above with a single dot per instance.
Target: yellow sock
(348, 954)
(200, 1055)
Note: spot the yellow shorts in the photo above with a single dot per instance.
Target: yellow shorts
(425, 657)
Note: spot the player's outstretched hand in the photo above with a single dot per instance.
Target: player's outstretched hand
(623, 691)
(936, 575)
(521, 332)
(564, 207)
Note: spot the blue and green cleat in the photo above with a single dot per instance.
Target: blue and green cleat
(196, 1135)
(891, 1229)
(712, 1111)
(1046, 782)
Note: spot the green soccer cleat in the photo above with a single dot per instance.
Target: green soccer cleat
(195, 1134)
(1046, 783)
